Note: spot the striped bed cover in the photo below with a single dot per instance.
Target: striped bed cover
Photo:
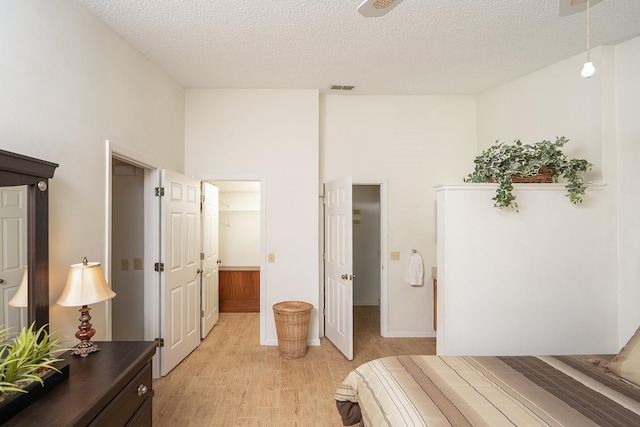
(488, 391)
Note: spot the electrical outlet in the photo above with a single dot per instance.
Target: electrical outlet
(124, 264)
(395, 256)
(271, 257)
(137, 263)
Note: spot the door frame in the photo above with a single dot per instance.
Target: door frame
(151, 222)
(264, 310)
(384, 244)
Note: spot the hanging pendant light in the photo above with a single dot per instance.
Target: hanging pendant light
(588, 69)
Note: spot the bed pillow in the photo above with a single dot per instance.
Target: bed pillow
(626, 364)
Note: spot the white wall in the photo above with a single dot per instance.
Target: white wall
(533, 282)
(555, 101)
(627, 111)
(272, 134)
(239, 224)
(67, 84)
(600, 116)
(412, 143)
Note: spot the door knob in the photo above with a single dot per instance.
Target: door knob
(219, 261)
(344, 277)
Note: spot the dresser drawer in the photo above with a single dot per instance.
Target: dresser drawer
(144, 416)
(126, 403)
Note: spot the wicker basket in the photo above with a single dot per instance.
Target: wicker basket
(545, 175)
(292, 327)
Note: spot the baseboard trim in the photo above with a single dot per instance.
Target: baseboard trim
(411, 334)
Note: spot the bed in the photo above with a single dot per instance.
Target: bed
(495, 390)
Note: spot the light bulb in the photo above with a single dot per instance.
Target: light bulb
(588, 70)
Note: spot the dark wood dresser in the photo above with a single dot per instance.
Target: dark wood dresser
(112, 387)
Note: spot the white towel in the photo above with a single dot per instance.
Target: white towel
(415, 270)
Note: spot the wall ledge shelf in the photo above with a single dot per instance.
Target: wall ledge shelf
(559, 186)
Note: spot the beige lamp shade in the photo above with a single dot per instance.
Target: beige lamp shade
(85, 285)
(20, 298)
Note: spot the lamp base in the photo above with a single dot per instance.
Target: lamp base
(84, 334)
(85, 348)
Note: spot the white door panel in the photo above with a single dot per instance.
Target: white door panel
(339, 265)
(175, 323)
(210, 262)
(180, 243)
(193, 326)
(13, 253)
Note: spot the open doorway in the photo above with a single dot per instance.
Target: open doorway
(353, 266)
(130, 182)
(367, 217)
(127, 251)
(167, 227)
(366, 245)
(239, 245)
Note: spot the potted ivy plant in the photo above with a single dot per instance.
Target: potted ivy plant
(504, 164)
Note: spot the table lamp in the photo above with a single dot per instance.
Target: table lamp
(20, 298)
(85, 285)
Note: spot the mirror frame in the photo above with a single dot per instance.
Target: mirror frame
(17, 169)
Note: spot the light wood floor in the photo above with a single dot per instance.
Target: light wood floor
(230, 380)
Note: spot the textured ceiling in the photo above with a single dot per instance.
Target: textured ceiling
(420, 47)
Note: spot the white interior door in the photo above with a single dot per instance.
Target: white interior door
(210, 258)
(339, 265)
(13, 253)
(180, 254)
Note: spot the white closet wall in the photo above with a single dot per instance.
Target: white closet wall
(541, 281)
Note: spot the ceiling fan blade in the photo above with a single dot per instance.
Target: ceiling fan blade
(569, 7)
(376, 8)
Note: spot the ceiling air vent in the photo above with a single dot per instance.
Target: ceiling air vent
(341, 87)
(375, 8)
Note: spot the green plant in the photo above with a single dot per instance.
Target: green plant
(500, 161)
(24, 358)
